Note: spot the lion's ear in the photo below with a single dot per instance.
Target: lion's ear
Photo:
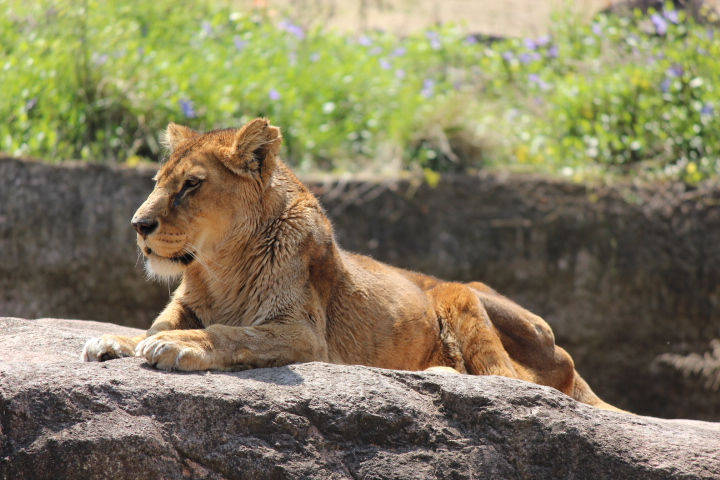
(254, 149)
(177, 133)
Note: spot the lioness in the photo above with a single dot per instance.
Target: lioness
(264, 283)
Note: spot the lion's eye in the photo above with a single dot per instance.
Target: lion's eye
(191, 183)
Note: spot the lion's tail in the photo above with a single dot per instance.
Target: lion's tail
(583, 393)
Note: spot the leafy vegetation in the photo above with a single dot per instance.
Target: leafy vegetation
(100, 80)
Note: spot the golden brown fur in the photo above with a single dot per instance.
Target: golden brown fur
(264, 283)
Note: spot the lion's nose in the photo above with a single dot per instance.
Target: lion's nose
(144, 226)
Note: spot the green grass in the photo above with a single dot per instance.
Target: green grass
(100, 80)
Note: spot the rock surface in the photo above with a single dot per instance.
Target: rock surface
(62, 418)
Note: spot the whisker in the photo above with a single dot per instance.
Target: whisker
(196, 251)
(139, 256)
(203, 261)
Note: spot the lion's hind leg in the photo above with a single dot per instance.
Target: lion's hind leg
(528, 340)
(470, 344)
(530, 343)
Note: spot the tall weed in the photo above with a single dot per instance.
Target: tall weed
(99, 80)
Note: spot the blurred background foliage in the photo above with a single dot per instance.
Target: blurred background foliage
(99, 80)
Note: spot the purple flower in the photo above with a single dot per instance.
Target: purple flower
(543, 40)
(665, 85)
(297, 31)
(597, 29)
(292, 29)
(207, 27)
(671, 16)
(240, 44)
(660, 23)
(434, 38)
(274, 95)
(530, 44)
(365, 41)
(399, 52)
(529, 57)
(675, 71)
(428, 88)
(432, 34)
(471, 40)
(384, 64)
(188, 108)
(400, 73)
(553, 52)
(100, 59)
(707, 109)
(535, 79)
(507, 56)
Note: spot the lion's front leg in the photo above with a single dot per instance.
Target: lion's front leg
(175, 316)
(220, 347)
(108, 347)
(179, 350)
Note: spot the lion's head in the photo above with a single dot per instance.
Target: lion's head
(213, 185)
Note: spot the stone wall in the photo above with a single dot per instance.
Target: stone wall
(623, 274)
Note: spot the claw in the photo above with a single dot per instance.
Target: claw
(107, 356)
(158, 352)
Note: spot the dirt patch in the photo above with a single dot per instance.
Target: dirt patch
(511, 18)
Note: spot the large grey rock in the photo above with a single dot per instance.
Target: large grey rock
(626, 275)
(62, 418)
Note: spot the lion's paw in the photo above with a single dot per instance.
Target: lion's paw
(107, 347)
(170, 351)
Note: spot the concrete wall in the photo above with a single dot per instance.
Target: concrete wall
(623, 274)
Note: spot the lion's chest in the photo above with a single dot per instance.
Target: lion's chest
(232, 311)
(248, 304)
